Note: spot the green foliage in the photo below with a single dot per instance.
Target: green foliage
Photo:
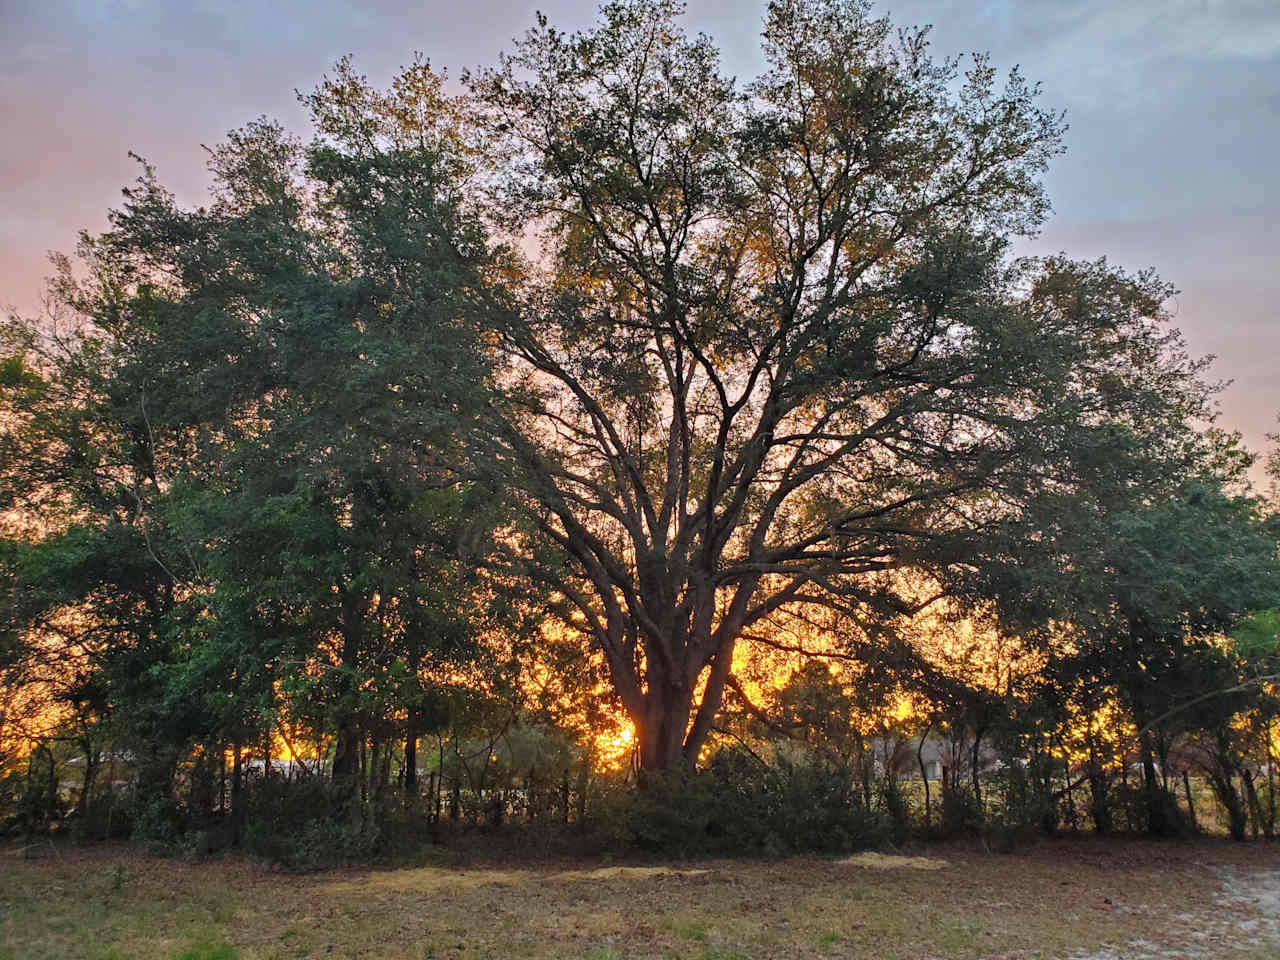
(318, 844)
(153, 820)
(1023, 804)
(1257, 638)
(780, 347)
(1132, 807)
(896, 808)
(244, 444)
(962, 813)
(740, 805)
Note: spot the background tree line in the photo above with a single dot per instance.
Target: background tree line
(608, 397)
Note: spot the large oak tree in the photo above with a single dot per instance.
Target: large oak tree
(772, 352)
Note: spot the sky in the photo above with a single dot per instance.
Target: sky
(1173, 109)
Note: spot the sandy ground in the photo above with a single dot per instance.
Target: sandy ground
(1243, 919)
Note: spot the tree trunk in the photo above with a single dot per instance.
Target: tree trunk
(661, 732)
(1071, 799)
(1099, 805)
(364, 771)
(1157, 822)
(924, 777)
(1221, 774)
(1099, 809)
(1049, 821)
(1235, 812)
(385, 774)
(864, 771)
(1271, 798)
(346, 767)
(1230, 799)
(1255, 808)
(349, 747)
(373, 776)
(439, 777)
(672, 727)
(237, 794)
(583, 780)
(200, 792)
(91, 762)
(111, 783)
(977, 766)
(1163, 746)
(1191, 807)
(1271, 782)
(51, 786)
(411, 761)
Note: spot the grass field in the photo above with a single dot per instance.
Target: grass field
(1069, 899)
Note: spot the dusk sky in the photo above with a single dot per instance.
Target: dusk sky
(1173, 106)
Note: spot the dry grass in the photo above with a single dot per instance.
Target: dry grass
(1063, 899)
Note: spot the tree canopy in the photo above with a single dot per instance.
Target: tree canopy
(248, 431)
(775, 352)
(608, 384)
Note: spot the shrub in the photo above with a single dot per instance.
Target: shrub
(962, 814)
(316, 845)
(153, 821)
(897, 808)
(818, 807)
(742, 805)
(1025, 804)
(1132, 811)
(675, 813)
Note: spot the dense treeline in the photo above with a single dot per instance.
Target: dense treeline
(613, 444)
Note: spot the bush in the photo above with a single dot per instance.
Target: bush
(897, 808)
(741, 805)
(288, 821)
(1132, 812)
(818, 807)
(673, 814)
(962, 814)
(153, 821)
(317, 845)
(1025, 804)
(107, 815)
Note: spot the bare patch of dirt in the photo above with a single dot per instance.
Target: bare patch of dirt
(1241, 920)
